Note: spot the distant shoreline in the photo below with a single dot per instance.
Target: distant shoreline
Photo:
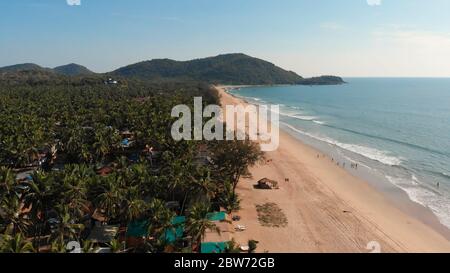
(319, 192)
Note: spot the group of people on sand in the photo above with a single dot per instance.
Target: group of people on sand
(352, 165)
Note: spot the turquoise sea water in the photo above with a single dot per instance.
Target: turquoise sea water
(398, 129)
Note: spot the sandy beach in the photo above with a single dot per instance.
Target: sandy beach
(327, 208)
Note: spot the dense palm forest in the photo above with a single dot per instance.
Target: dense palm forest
(78, 151)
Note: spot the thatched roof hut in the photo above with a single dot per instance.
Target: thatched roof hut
(267, 184)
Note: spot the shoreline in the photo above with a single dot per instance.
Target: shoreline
(396, 195)
(328, 208)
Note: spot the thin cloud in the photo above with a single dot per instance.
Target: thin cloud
(73, 2)
(143, 17)
(413, 37)
(374, 2)
(331, 26)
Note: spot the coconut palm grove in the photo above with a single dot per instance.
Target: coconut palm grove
(88, 164)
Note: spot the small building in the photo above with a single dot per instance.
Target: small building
(104, 171)
(111, 81)
(214, 242)
(173, 205)
(99, 218)
(202, 157)
(103, 234)
(267, 184)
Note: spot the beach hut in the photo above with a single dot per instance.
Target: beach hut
(267, 184)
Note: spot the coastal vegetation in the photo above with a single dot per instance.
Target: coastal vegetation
(228, 69)
(83, 154)
(231, 69)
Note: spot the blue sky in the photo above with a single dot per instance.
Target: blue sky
(340, 37)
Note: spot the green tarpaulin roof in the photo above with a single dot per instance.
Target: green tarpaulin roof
(214, 247)
(171, 235)
(139, 229)
(217, 216)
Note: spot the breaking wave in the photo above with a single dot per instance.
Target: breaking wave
(368, 152)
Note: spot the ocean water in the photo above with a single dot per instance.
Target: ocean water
(397, 129)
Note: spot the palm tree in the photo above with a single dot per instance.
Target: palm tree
(42, 196)
(134, 210)
(229, 199)
(198, 223)
(75, 190)
(7, 181)
(159, 221)
(116, 246)
(205, 185)
(15, 244)
(68, 228)
(12, 220)
(88, 247)
(110, 198)
(58, 246)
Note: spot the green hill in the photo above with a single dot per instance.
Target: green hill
(72, 70)
(237, 69)
(24, 67)
(232, 69)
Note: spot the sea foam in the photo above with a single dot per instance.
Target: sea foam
(368, 152)
(437, 203)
